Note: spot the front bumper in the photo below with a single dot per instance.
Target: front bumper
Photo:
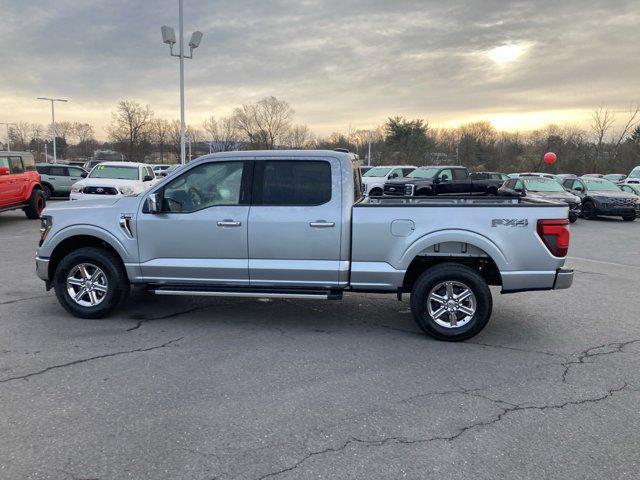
(42, 268)
(564, 279)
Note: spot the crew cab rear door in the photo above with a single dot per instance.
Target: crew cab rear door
(295, 223)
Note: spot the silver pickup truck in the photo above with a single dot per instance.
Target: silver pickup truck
(294, 224)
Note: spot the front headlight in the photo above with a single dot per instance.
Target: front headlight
(76, 189)
(126, 190)
(46, 222)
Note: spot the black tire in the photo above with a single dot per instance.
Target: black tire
(492, 191)
(459, 274)
(47, 190)
(588, 210)
(376, 192)
(37, 202)
(573, 217)
(116, 276)
(628, 218)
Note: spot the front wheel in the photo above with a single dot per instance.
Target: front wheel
(451, 302)
(91, 282)
(588, 211)
(628, 218)
(573, 217)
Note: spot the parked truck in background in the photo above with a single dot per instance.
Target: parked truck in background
(441, 180)
(20, 186)
(294, 224)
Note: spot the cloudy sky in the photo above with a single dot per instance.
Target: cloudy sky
(338, 63)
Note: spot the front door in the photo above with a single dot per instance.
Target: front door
(200, 236)
(75, 175)
(295, 223)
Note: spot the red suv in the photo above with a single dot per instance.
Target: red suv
(20, 184)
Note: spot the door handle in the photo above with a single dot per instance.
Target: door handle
(322, 224)
(229, 223)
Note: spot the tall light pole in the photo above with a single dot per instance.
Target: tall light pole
(8, 137)
(53, 121)
(169, 37)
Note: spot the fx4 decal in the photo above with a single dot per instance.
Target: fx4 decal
(509, 222)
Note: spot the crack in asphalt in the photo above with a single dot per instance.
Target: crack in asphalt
(591, 352)
(505, 410)
(88, 359)
(164, 317)
(7, 302)
(541, 352)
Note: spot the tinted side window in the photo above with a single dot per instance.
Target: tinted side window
(4, 162)
(75, 172)
(459, 174)
(58, 171)
(296, 183)
(15, 165)
(445, 174)
(209, 184)
(43, 169)
(407, 171)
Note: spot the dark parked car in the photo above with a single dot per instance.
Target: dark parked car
(602, 197)
(441, 180)
(542, 188)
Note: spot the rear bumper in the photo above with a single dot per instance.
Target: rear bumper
(513, 282)
(564, 279)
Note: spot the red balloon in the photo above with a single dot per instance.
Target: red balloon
(550, 157)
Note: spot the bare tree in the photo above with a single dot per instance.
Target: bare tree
(64, 129)
(131, 127)
(20, 135)
(222, 133)
(299, 137)
(160, 131)
(264, 124)
(632, 120)
(603, 119)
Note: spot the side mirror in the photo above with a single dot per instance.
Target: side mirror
(519, 191)
(579, 189)
(84, 174)
(444, 179)
(152, 204)
(4, 170)
(147, 178)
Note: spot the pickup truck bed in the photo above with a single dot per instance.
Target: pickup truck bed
(242, 234)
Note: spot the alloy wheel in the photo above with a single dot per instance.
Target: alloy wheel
(451, 304)
(87, 285)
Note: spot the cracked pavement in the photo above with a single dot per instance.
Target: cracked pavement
(207, 389)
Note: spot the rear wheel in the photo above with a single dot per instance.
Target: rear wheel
(36, 205)
(573, 217)
(375, 192)
(91, 282)
(588, 210)
(451, 302)
(628, 218)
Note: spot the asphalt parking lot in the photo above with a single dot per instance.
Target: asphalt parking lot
(188, 388)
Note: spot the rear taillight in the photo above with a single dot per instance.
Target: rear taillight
(555, 235)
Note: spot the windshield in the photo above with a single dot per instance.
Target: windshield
(423, 173)
(600, 185)
(377, 172)
(117, 172)
(635, 173)
(542, 184)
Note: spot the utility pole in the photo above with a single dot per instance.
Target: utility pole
(8, 137)
(53, 121)
(169, 37)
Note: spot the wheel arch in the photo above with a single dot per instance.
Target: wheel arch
(466, 248)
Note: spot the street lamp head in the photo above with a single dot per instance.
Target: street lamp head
(168, 35)
(196, 37)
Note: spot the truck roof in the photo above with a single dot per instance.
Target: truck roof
(283, 154)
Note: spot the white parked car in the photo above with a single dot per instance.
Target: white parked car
(114, 179)
(373, 180)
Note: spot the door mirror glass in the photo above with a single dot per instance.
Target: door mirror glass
(153, 203)
(84, 174)
(147, 178)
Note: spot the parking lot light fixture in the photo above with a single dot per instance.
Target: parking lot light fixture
(8, 137)
(53, 121)
(169, 37)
